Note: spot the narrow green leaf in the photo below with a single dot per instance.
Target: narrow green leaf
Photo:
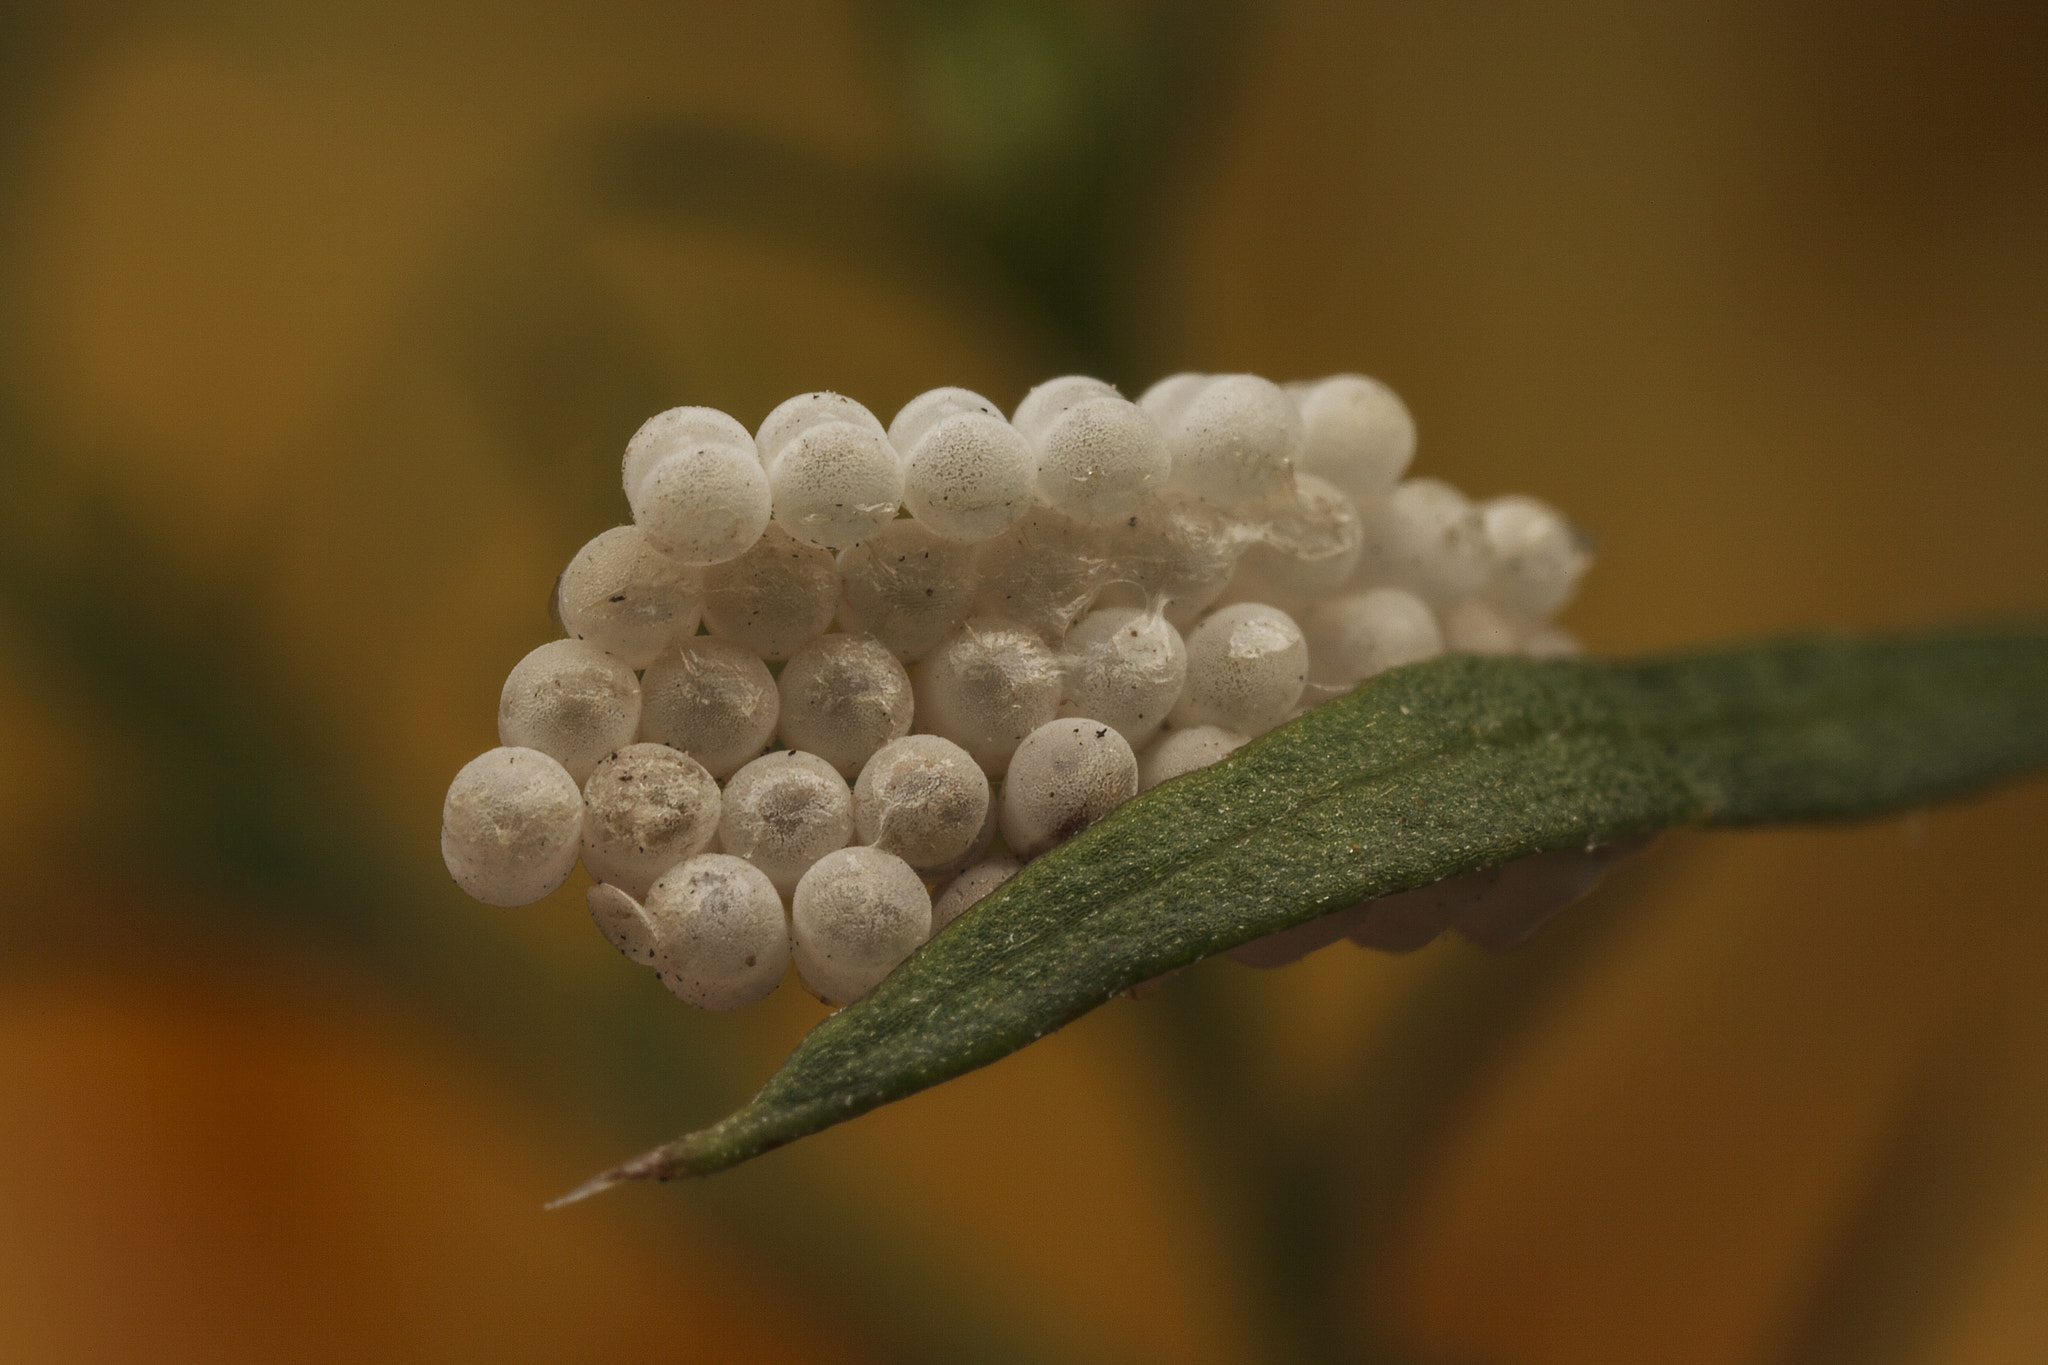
(1439, 768)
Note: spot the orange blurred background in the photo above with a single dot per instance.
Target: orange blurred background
(324, 325)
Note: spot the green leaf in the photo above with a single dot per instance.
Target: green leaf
(1439, 768)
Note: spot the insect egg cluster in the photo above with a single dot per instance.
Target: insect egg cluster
(838, 678)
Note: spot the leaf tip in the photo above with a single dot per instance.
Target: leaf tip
(648, 1165)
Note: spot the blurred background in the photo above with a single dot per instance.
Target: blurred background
(322, 327)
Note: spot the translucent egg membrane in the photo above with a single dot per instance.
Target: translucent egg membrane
(838, 679)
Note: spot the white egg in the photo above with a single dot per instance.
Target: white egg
(856, 914)
(721, 939)
(510, 826)
(571, 700)
(1247, 666)
(1065, 776)
(714, 699)
(783, 812)
(645, 809)
(843, 697)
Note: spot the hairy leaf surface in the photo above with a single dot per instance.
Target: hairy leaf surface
(1439, 768)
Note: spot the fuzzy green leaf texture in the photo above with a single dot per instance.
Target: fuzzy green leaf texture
(1439, 768)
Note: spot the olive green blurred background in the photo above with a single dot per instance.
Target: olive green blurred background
(323, 328)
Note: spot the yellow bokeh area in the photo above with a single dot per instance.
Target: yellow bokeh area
(324, 328)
